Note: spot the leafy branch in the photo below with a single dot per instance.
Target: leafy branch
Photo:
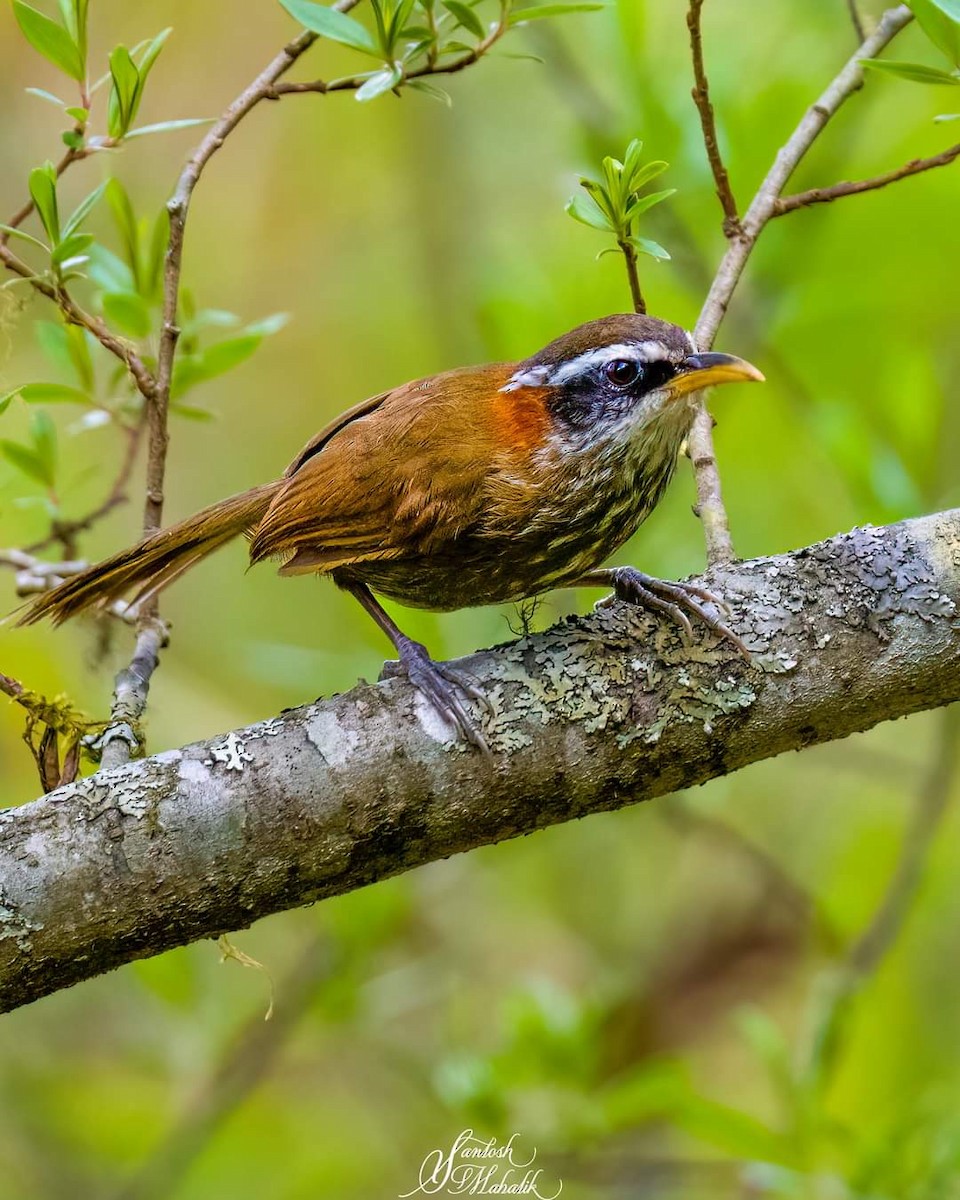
(615, 203)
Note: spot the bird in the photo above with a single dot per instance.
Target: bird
(482, 485)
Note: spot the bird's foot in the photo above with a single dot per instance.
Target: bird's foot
(438, 682)
(674, 600)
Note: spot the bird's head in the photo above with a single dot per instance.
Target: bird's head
(621, 380)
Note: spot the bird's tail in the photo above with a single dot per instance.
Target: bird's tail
(157, 561)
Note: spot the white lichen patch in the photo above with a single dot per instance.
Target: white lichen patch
(231, 752)
(14, 925)
(325, 732)
(193, 771)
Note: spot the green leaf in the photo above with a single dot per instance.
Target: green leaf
(53, 393)
(128, 311)
(333, 25)
(642, 203)
(74, 13)
(378, 83)
(637, 177)
(585, 210)
(940, 21)
(430, 89)
(125, 220)
(123, 93)
(45, 95)
(72, 138)
(465, 16)
(83, 210)
(215, 360)
(7, 399)
(647, 246)
(156, 250)
(918, 72)
(43, 191)
(110, 272)
(192, 412)
(68, 347)
(539, 12)
(49, 39)
(10, 231)
(44, 435)
(265, 327)
(70, 247)
(25, 460)
(169, 126)
(80, 115)
(150, 56)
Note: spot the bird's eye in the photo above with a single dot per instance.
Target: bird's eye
(622, 372)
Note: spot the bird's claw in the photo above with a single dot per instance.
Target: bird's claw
(676, 600)
(436, 681)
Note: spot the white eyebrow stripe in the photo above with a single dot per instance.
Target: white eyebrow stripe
(652, 351)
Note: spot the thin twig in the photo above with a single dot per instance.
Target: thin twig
(786, 204)
(709, 495)
(11, 687)
(857, 20)
(65, 531)
(701, 98)
(630, 258)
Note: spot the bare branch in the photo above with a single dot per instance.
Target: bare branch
(122, 737)
(762, 208)
(786, 204)
(589, 716)
(701, 98)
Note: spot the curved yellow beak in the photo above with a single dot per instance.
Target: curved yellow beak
(698, 371)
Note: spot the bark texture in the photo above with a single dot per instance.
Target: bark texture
(594, 714)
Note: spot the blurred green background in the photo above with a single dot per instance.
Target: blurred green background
(633, 994)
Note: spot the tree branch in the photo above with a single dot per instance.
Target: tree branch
(762, 208)
(592, 715)
(75, 315)
(352, 83)
(786, 204)
(701, 98)
(177, 207)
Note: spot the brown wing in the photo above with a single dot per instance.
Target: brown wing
(401, 473)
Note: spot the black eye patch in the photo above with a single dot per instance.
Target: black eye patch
(626, 374)
(656, 374)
